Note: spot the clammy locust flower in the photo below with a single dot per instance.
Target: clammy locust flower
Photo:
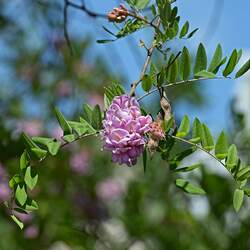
(124, 130)
(118, 14)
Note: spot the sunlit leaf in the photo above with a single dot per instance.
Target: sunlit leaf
(231, 63)
(189, 188)
(238, 199)
(30, 178)
(201, 59)
(221, 147)
(184, 127)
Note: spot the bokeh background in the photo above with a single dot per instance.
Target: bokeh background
(85, 201)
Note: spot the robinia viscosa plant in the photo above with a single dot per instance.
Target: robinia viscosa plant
(126, 129)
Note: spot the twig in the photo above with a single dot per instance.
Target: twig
(65, 25)
(181, 82)
(86, 10)
(145, 66)
(201, 148)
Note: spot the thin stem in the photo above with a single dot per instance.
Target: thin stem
(86, 10)
(79, 138)
(181, 82)
(65, 25)
(76, 139)
(201, 148)
(147, 61)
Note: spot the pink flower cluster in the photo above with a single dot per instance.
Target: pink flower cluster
(5, 192)
(124, 130)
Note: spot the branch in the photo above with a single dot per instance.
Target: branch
(65, 26)
(181, 82)
(145, 66)
(201, 148)
(86, 10)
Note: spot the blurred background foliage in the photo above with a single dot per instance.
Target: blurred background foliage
(85, 201)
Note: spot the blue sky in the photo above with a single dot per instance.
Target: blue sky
(231, 31)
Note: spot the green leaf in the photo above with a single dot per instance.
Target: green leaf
(216, 59)
(17, 221)
(173, 71)
(184, 29)
(113, 90)
(144, 156)
(52, 144)
(221, 147)
(130, 27)
(175, 161)
(238, 199)
(184, 127)
(192, 33)
(106, 102)
(185, 64)
(189, 188)
(201, 59)
(31, 205)
(24, 161)
(69, 138)
(223, 61)
(21, 195)
(188, 169)
(141, 4)
(243, 69)
(160, 77)
(196, 131)
(63, 123)
(232, 157)
(87, 112)
(53, 147)
(16, 179)
(105, 40)
(146, 83)
(247, 191)
(205, 74)
(243, 174)
(96, 121)
(39, 153)
(231, 63)
(239, 55)
(30, 178)
(82, 127)
(167, 125)
(206, 138)
(28, 142)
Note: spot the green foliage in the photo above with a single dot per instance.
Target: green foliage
(216, 60)
(201, 59)
(146, 83)
(139, 4)
(63, 123)
(221, 147)
(243, 69)
(189, 188)
(238, 199)
(184, 128)
(231, 63)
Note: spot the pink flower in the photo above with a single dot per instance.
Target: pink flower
(32, 127)
(79, 162)
(124, 129)
(109, 189)
(31, 232)
(95, 99)
(64, 89)
(25, 218)
(57, 132)
(5, 191)
(156, 131)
